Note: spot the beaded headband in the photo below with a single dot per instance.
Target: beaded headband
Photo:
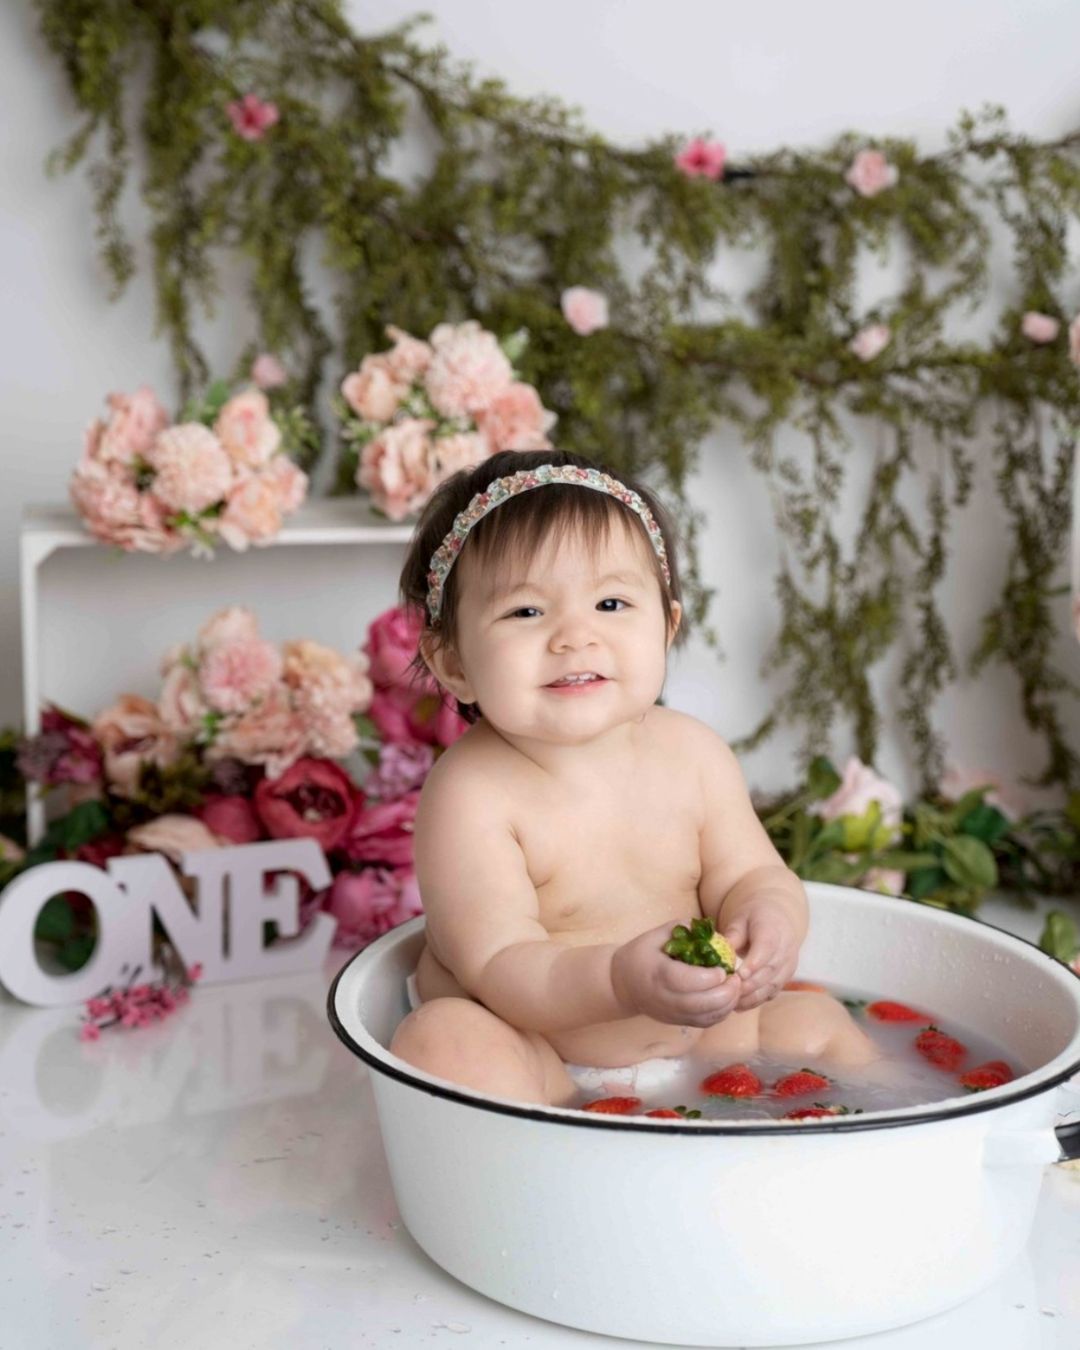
(444, 557)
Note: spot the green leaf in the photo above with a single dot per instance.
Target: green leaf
(925, 881)
(822, 780)
(970, 863)
(1060, 936)
(55, 921)
(900, 861)
(73, 955)
(985, 823)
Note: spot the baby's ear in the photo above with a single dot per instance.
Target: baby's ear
(676, 620)
(445, 664)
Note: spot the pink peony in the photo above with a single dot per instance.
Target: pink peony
(180, 702)
(402, 767)
(173, 835)
(1039, 327)
(861, 786)
(702, 159)
(252, 117)
(584, 310)
(408, 358)
(234, 675)
(268, 372)
(468, 371)
(1074, 341)
(193, 471)
(134, 423)
(234, 624)
(398, 467)
(132, 733)
(870, 341)
(247, 432)
(370, 902)
(383, 833)
(517, 420)
(271, 733)
(231, 818)
(374, 391)
(870, 173)
(312, 799)
(463, 450)
(327, 690)
(392, 642)
(253, 513)
(114, 511)
(288, 481)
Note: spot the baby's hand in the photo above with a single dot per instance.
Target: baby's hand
(773, 953)
(648, 981)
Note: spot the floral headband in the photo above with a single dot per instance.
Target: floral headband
(444, 557)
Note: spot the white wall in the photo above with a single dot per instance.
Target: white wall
(756, 76)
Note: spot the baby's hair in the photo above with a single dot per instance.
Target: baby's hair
(514, 531)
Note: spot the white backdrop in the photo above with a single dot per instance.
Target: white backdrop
(778, 72)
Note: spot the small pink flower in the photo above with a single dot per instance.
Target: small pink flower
(193, 471)
(1039, 327)
(247, 432)
(234, 675)
(468, 371)
(374, 391)
(252, 117)
(584, 310)
(517, 420)
(871, 173)
(89, 1032)
(403, 766)
(702, 159)
(870, 341)
(399, 468)
(268, 372)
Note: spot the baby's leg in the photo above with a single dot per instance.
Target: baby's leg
(459, 1039)
(816, 1025)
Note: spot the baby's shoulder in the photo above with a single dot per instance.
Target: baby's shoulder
(682, 732)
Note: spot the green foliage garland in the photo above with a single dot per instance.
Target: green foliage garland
(520, 201)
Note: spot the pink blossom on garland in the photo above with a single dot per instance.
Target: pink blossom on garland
(1038, 327)
(870, 341)
(702, 159)
(871, 173)
(268, 372)
(584, 310)
(252, 117)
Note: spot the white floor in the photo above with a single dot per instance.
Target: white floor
(218, 1181)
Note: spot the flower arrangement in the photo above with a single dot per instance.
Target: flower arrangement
(222, 473)
(414, 415)
(246, 741)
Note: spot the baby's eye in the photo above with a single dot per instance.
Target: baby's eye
(615, 601)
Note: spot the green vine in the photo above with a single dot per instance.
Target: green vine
(520, 200)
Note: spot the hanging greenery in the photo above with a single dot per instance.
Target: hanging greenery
(268, 129)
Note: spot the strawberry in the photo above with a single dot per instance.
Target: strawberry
(946, 1052)
(886, 1011)
(613, 1106)
(989, 1075)
(807, 985)
(679, 1113)
(737, 1080)
(816, 1112)
(799, 1084)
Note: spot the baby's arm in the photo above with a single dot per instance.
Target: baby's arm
(483, 914)
(746, 888)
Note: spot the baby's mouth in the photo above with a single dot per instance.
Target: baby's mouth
(577, 681)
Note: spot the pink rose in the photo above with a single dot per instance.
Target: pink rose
(517, 420)
(193, 471)
(702, 159)
(173, 835)
(463, 450)
(370, 902)
(959, 779)
(870, 173)
(247, 432)
(402, 767)
(180, 703)
(132, 733)
(313, 799)
(408, 358)
(373, 392)
(870, 341)
(1074, 341)
(271, 733)
(134, 423)
(861, 786)
(468, 371)
(252, 513)
(289, 482)
(392, 641)
(884, 880)
(431, 719)
(252, 117)
(584, 310)
(398, 467)
(1039, 327)
(231, 818)
(233, 675)
(383, 833)
(268, 372)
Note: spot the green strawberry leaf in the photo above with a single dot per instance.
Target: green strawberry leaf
(970, 863)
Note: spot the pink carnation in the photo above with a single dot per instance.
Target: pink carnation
(114, 511)
(468, 371)
(517, 420)
(247, 432)
(268, 372)
(1039, 328)
(398, 467)
(193, 472)
(233, 624)
(584, 310)
(233, 675)
(288, 481)
(871, 173)
(373, 392)
(253, 513)
(271, 733)
(327, 690)
(135, 421)
(408, 358)
(463, 450)
(702, 159)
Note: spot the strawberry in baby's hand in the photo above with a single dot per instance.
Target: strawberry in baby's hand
(800, 1083)
(613, 1106)
(737, 1080)
(946, 1052)
(678, 1113)
(887, 1011)
(989, 1075)
(701, 945)
(819, 1110)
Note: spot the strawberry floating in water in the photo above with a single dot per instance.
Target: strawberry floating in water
(989, 1075)
(613, 1106)
(806, 986)
(946, 1052)
(676, 1113)
(799, 1084)
(701, 945)
(818, 1111)
(737, 1080)
(887, 1011)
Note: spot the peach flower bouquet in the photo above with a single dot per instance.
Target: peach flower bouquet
(415, 414)
(220, 474)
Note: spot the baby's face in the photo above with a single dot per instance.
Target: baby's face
(567, 614)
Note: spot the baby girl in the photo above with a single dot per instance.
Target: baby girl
(560, 839)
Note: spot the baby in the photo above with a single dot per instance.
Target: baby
(560, 839)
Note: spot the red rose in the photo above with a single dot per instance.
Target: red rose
(384, 833)
(313, 799)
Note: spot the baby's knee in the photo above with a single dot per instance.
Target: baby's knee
(812, 1023)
